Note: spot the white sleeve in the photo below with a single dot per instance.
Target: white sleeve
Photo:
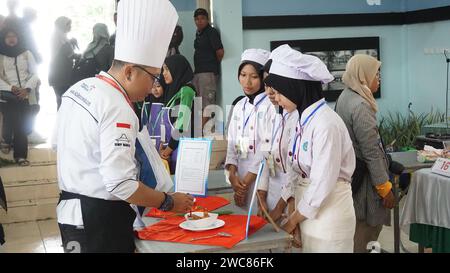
(33, 80)
(325, 169)
(118, 132)
(287, 190)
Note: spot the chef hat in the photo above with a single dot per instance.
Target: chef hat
(144, 31)
(256, 55)
(291, 63)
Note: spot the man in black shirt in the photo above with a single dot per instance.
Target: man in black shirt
(208, 54)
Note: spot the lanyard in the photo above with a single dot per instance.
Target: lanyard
(274, 133)
(303, 125)
(245, 121)
(117, 87)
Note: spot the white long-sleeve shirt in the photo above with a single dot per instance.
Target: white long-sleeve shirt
(323, 153)
(27, 71)
(95, 140)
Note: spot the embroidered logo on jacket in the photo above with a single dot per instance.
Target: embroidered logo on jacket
(122, 141)
(305, 146)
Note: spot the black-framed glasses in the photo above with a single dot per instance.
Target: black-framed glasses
(156, 78)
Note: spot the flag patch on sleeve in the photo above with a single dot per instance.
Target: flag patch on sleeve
(123, 125)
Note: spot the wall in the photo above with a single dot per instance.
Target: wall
(184, 5)
(426, 81)
(306, 7)
(421, 4)
(392, 55)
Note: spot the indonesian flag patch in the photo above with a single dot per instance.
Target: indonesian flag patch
(123, 125)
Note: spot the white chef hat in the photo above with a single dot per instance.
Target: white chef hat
(144, 31)
(256, 55)
(291, 63)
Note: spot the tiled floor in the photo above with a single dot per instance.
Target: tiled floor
(32, 237)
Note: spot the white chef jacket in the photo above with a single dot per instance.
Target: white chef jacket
(254, 129)
(322, 151)
(282, 130)
(95, 140)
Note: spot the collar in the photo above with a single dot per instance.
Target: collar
(308, 111)
(105, 74)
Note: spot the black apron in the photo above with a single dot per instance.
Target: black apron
(108, 225)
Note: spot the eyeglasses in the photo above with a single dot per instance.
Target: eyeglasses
(156, 78)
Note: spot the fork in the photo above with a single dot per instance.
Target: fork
(220, 234)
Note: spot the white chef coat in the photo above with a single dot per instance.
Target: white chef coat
(248, 121)
(95, 139)
(321, 151)
(282, 130)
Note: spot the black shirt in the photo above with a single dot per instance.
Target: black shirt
(206, 43)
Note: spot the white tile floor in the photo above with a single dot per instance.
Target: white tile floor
(43, 237)
(32, 237)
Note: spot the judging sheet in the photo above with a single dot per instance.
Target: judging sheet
(191, 175)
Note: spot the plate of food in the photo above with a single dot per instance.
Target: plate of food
(201, 220)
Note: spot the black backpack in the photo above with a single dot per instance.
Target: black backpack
(84, 68)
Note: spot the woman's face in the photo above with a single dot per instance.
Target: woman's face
(167, 75)
(249, 80)
(269, 91)
(157, 90)
(11, 39)
(68, 27)
(375, 83)
(284, 102)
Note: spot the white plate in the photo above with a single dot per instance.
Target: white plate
(186, 225)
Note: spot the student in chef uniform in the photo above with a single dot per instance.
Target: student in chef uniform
(274, 175)
(244, 132)
(321, 156)
(96, 136)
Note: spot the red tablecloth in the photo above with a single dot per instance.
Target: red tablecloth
(169, 231)
(210, 203)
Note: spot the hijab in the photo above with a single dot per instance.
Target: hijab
(182, 75)
(7, 50)
(359, 74)
(301, 92)
(100, 40)
(259, 69)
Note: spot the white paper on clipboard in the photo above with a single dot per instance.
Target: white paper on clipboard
(191, 174)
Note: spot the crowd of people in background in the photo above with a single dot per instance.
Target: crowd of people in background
(177, 85)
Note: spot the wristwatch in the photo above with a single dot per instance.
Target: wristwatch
(167, 204)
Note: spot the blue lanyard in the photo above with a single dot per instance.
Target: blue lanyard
(278, 128)
(303, 125)
(248, 118)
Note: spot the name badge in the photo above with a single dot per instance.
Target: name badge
(271, 165)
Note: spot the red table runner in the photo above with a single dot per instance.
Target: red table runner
(169, 231)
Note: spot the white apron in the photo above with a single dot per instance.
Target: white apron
(334, 227)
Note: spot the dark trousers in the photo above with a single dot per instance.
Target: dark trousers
(59, 91)
(15, 115)
(73, 239)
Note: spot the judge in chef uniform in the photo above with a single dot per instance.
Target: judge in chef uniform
(247, 127)
(96, 135)
(321, 159)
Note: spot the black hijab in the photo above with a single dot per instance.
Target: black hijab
(182, 75)
(260, 69)
(9, 51)
(301, 92)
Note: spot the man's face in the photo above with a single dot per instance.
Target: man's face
(201, 21)
(140, 81)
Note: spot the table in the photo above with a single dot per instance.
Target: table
(427, 209)
(409, 161)
(263, 240)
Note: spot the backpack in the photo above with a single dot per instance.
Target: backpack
(84, 68)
